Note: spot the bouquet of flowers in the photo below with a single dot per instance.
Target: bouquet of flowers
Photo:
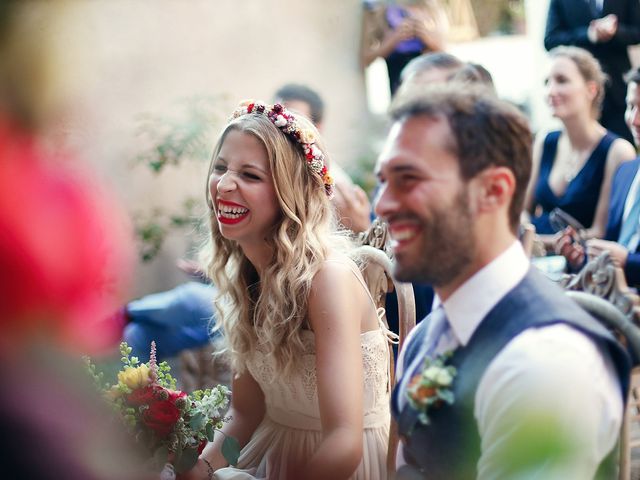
(167, 422)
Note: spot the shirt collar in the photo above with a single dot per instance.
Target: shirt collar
(475, 298)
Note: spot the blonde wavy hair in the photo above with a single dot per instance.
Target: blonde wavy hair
(272, 312)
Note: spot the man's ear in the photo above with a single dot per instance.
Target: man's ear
(495, 188)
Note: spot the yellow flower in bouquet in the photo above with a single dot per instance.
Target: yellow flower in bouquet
(135, 377)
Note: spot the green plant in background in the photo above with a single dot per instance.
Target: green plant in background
(153, 227)
(173, 141)
(362, 173)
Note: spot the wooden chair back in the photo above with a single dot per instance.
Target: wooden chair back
(601, 289)
(376, 270)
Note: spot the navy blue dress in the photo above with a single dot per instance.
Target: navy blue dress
(583, 191)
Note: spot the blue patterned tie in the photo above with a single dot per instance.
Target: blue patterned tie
(438, 328)
(439, 325)
(630, 225)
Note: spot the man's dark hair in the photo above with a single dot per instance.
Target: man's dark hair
(633, 76)
(473, 73)
(302, 93)
(428, 61)
(487, 132)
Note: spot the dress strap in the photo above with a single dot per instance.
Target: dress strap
(391, 336)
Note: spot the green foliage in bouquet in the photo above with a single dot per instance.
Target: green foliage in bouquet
(167, 422)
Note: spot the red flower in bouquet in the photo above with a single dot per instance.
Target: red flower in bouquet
(161, 417)
(143, 396)
(201, 446)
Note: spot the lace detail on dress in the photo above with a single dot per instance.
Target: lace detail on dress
(309, 383)
(375, 363)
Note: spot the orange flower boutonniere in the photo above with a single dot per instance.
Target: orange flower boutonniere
(431, 386)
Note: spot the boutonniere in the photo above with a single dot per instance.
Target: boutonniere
(431, 386)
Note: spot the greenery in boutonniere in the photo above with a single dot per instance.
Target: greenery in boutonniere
(431, 386)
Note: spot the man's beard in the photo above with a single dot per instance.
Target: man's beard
(447, 246)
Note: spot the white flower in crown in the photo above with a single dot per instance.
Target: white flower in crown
(307, 136)
(280, 121)
(315, 151)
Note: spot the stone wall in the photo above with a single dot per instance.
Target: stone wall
(133, 57)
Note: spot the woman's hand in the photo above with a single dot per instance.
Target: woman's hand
(200, 471)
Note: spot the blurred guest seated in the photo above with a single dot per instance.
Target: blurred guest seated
(177, 319)
(573, 167)
(622, 235)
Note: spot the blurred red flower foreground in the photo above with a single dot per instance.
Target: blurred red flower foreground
(65, 250)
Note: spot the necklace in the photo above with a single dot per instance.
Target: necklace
(571, 169)
(574, 164)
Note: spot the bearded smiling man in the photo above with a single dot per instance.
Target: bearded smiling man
(540, 384)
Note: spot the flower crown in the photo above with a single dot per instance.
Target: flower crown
(286, 122)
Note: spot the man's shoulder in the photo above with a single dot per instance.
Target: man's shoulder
(627, 168)
(534, 303)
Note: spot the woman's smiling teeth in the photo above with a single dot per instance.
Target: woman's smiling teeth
(228, 211)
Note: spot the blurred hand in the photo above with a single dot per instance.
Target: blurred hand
(567, 244)
(403, 31)
(426, 32)
(352, 206)
(603, 29)
(617, 252)
(192, 268)
(200, 471)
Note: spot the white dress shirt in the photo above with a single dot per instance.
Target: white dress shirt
(551, 378)
(628, 205)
